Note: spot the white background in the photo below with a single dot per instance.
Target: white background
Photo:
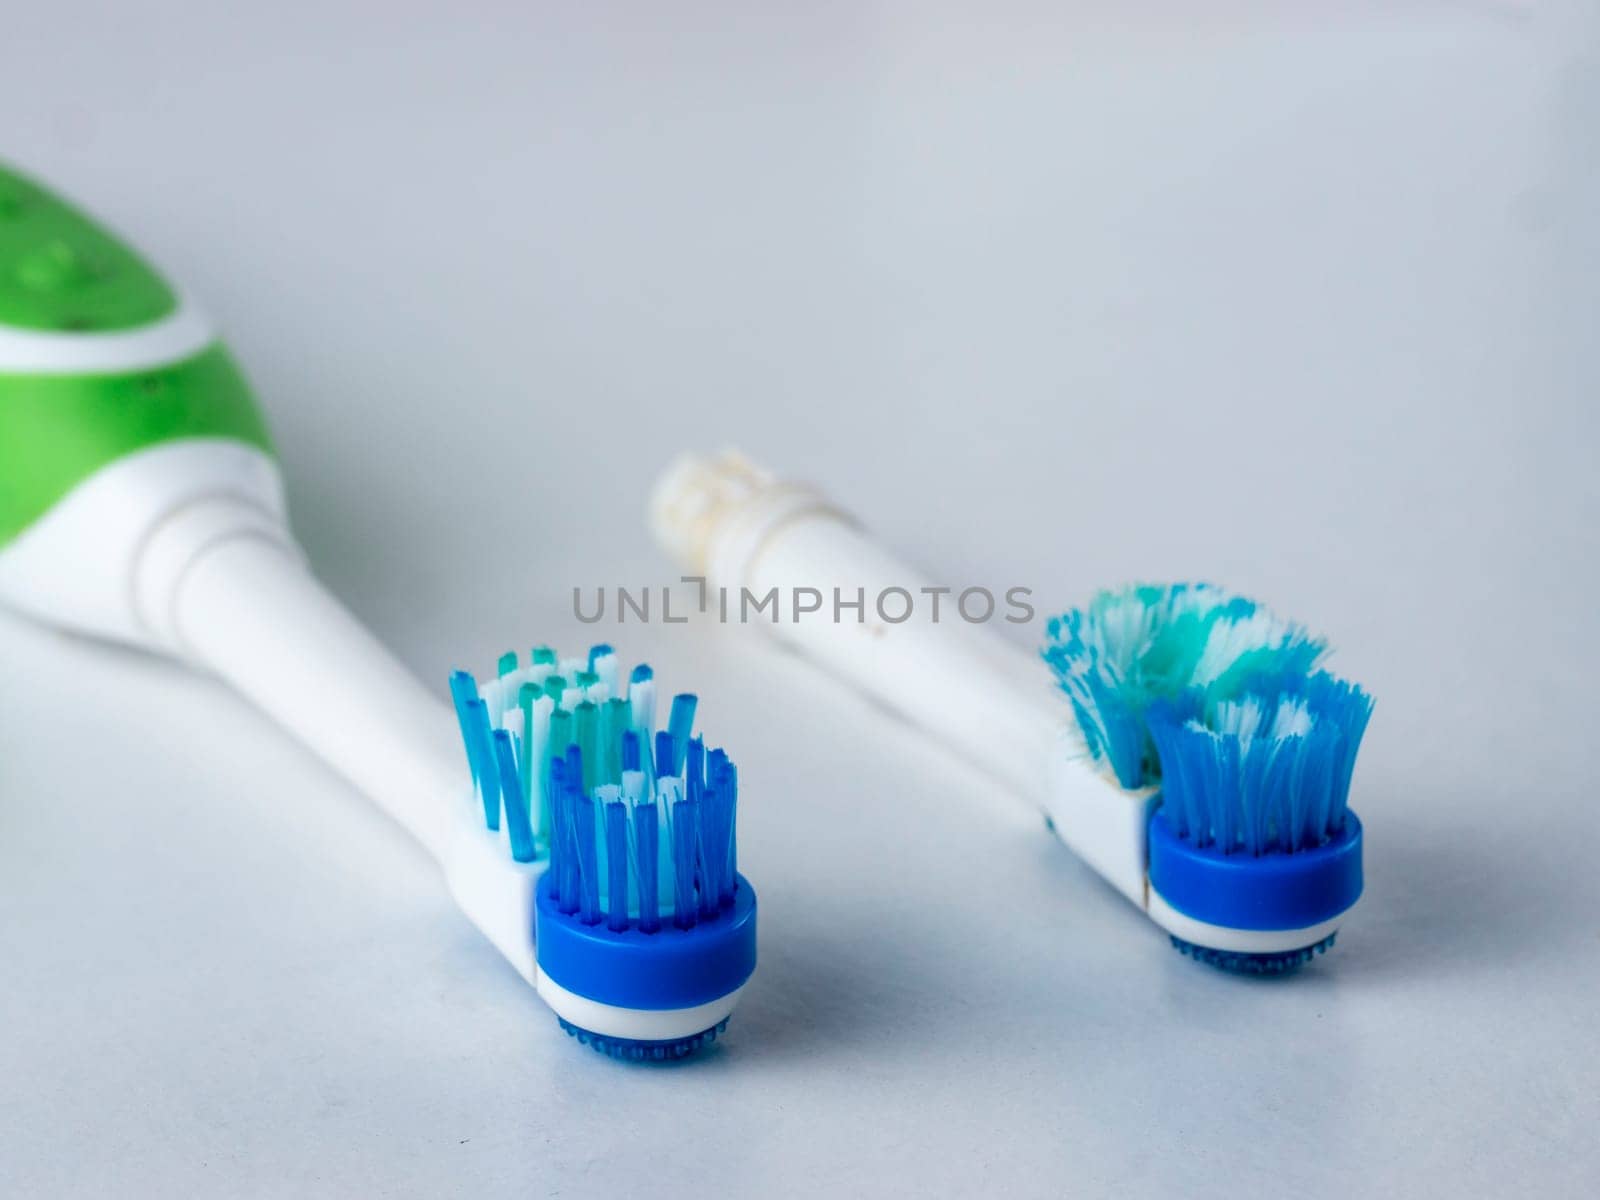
(1303, 304)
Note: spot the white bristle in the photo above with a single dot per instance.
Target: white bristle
(642, 699)
(1228, 640)
(607, 668)
(493, 700)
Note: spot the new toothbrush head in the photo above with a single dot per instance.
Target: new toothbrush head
(1092, 763)
(1210, 706)
(621, 837)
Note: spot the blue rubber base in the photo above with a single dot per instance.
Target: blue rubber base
(1236, 963)
(631, 1050)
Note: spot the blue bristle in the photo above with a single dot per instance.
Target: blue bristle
(583, 820)
(641, 674)
(730, 811)
(563, 847)
(713, 835)
(707, 867)
(630, 750)
(1348, 709)
(555, 788)
(616, 817)
(685, 831)
(599, 836)
(680, 724)
(518, 827)
(633, 1050)
(1268, 771)
(1109, 721)
(1118, 730)
(598, 651)
(666, 753)
(647, 860)
(464, 693)
(481, 746)
(694, 769)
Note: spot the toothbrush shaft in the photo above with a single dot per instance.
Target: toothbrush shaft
(249, 610)
(965, 685)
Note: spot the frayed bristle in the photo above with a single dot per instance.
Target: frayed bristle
(1266, 771)
(1134, 647)
(638, 825)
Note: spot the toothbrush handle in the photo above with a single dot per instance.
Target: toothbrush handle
(966, 686)
(248, 609)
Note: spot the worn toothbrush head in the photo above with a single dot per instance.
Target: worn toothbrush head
(1254, 831)
(643, 927)
(1253, 854)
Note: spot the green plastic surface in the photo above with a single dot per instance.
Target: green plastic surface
(59, 271)
(56, 430)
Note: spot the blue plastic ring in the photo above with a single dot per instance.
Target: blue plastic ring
(1247, 891)
(672, 968)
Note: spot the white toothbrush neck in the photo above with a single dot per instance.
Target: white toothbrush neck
(248, 609)
(976, 693)
(183, 548)
(973, 691)
(958, 681)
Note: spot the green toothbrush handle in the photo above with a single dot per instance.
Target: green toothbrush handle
(140, 501)
(99, 357)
